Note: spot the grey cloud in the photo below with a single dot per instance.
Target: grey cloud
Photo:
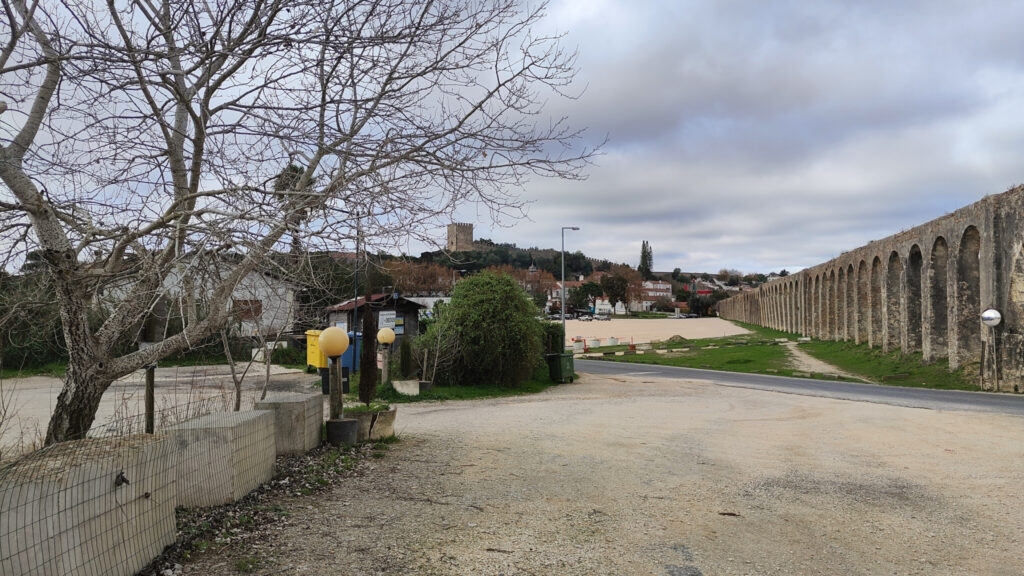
(762, 135)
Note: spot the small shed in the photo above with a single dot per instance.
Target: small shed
(397, 312)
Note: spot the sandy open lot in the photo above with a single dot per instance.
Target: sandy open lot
(646, 330)
(637, 475)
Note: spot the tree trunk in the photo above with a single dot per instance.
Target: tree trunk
(77, 403)
(368, 361)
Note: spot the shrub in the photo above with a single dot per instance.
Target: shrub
(499, 338)
(405, 364)
(291, 355)
(554, 338)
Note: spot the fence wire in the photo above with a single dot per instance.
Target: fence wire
(105, 505)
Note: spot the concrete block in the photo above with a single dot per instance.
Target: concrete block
(298, 420)
(223, 456)
(62, 511)
(407, 387)
(374, 425)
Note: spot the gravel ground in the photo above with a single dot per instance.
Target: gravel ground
(641, 476)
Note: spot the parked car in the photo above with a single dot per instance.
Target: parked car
(602, 317)
(586, 318)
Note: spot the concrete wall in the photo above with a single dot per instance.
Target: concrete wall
(62, 511)
(223, 456)
(921, 290)
(298, 420)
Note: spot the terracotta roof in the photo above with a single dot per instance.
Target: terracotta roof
(374, 298)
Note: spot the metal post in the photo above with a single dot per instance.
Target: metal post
(387, 361)
(355, 302)
(562, 290)
(150, 398)
(335, 375)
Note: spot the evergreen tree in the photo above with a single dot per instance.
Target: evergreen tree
(646, 261)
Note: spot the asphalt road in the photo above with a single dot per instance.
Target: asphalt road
(891, 395)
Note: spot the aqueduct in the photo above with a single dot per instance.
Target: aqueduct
(921, 290)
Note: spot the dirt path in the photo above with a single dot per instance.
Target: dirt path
(642, 476)
(801, 360)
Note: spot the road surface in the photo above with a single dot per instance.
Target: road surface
(892, 395)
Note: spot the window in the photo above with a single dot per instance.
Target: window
(247, 309)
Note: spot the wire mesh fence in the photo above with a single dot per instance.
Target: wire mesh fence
(105, 505)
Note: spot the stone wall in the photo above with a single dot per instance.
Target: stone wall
(921, 290)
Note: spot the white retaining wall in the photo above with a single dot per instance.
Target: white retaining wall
(62, 510)
(223, 456)
(298, 420)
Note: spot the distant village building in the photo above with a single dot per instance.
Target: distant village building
(653, 291)
(460, 237)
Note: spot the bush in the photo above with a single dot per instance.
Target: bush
(554, 338)
(492, 321)
(290, 356)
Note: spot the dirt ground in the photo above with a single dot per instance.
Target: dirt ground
(800, 360)
(180, 392)
(184, 391)
(646, 330)
(641, 476)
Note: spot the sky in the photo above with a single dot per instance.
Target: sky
(762, 136)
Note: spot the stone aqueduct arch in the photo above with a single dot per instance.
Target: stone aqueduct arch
(921, 290)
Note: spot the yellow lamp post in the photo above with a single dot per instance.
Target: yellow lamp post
(333, 342)
(386, 336)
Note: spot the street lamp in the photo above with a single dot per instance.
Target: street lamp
(333, 342)
(564, 228)
(386, 336)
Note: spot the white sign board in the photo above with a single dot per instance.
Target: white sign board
(386, 319)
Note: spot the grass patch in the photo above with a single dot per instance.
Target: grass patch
(538, 382)
(755, 352)
(356, 406)
(757, 358)
(440, 393)
(758, 352)
(54, 369)
(894, 368)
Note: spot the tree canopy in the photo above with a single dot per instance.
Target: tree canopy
(140, 144)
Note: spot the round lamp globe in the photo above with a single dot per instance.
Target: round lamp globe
(333, 342)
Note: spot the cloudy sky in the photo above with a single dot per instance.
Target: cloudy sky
(766, 135)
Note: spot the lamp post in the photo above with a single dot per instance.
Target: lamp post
(333, 342)
(386, 336)
(564, 228)
(991, 318)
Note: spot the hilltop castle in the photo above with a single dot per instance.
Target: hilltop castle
(460, 237)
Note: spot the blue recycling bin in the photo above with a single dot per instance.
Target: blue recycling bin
(349, 359)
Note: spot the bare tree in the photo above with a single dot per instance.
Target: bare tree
(139, 138)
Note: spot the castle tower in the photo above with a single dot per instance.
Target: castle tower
(460, 237)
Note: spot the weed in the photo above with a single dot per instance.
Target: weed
(247, 565)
